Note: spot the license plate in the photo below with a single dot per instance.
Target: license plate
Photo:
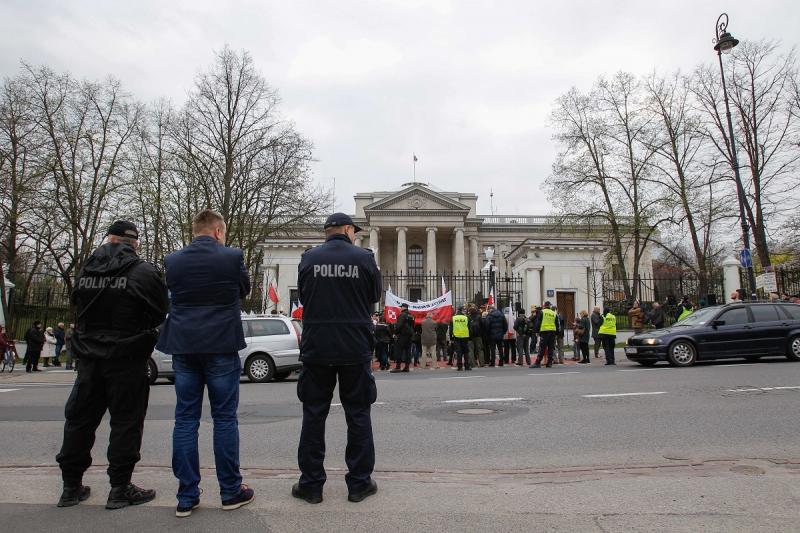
(628, 349)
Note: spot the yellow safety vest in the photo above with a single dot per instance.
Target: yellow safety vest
(548, 320)
(609, 325)
(685, 313)
(460, 327)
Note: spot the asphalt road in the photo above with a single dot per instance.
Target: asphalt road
(715, 447)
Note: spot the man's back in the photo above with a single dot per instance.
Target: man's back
(206, 281)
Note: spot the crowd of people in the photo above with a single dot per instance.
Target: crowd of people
(47, 345)
(485, 337)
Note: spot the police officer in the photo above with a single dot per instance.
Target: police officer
(608, 335)
(338, 284)
(547, 324)
(119, 300)
(461, 339)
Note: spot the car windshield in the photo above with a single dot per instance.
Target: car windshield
(699, 317)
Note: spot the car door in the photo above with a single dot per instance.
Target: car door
(273, 336)
(732, 338)
(769, 327)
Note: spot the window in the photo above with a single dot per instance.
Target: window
(792, 310)
(764, 313)
(415, 261)
(735, 317)
(266, 327)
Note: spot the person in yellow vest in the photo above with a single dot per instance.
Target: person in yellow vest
(548, 327)
(608, 335)
(684, 309)
(460, 329)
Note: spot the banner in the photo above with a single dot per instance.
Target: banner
(442, 308)
(297, 310)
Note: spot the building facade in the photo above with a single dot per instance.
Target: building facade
(419, 231)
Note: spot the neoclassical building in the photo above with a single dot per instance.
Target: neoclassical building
(421, 232)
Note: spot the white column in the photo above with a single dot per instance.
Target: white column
(374, 237)
(401, 250)
(533, 287)
(474, 260)
(458, 250)
(358, 240)
(430, 263)
(730, 275)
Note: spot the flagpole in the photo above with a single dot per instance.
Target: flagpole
(264, 290)
(415, 167)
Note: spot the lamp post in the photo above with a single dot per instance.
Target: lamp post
(724, 42)
(488, 253)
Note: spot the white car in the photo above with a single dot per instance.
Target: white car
(272, 352)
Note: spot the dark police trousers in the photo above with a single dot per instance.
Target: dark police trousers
(121, 387)
(547, 341)
(357, 392)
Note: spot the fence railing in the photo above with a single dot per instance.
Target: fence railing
(465, 288)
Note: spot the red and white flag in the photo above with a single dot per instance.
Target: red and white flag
(441, 307)
(273, 293)
(297, 310)
(490, 300)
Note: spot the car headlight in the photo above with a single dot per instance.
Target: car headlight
(651, 341)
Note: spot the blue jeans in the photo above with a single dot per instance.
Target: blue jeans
(221, 374)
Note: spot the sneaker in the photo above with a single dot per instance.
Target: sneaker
(371, 489)
(459, 369)
(395, 370)
(125, 495)
(74, 495)
(405, 369)
(303, 494)
(245, 496)
(182, 511)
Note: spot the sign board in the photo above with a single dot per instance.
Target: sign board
(745, 258)
(767, 281)
(551, 293)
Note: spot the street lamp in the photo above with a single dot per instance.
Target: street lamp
(488, 253)
(724, 42)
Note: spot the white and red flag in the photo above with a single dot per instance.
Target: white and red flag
(297, 310)
(441, 307)
(273, 293)
(490, 300)
(444, 287)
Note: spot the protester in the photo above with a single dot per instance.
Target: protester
(533, 333)
(428, 342)
(497, 326)
(383, 342)
(560, 336)
(119, 300)
(521, 326)
(441, 341)
(583, 330)
(416, 344)
(336, 346)
(58, 333)
(576, 349)
(207, 280)
(49, 346)
(636, 317)
(72, 364)
(476, 336)
(34, 339)
(403, 332)
(656, 316)
(597, 321)
(608, 335)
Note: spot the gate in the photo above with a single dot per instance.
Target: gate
(466, 288)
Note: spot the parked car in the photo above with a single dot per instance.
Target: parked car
(748, 330)
(272, 352)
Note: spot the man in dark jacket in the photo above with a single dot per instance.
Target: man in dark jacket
(383, 342)
(476, 335)
(656, 316)
(338, 284)
(597, 320)
(404, 333)
(521, 326)
(204, 335)
(119, 301)
(34, 339)
(498, 326)
(441, 341)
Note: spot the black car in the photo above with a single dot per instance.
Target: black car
(748, 330)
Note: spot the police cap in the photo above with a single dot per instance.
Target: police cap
(123, 228)
(340, 219)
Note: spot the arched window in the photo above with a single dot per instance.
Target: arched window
(415, 261)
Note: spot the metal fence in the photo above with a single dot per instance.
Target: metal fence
(788, 280)
(46, 299)
(466, 288)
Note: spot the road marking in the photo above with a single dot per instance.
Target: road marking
(8, 390)
(763, 389)
(461, 377)
(485, 400)
(622, 394)
(738, 364)
(339, 405)
(551, 373)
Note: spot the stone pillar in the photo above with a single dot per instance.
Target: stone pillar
(458, 250)
(358, 240)
(533, 287)
(401, 266)
(730, 276)
(474, 260)
(374, 238)
(430, 252)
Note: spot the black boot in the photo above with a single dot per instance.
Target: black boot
(125, 495)
(73, 495)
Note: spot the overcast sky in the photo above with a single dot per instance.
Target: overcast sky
(467, 85)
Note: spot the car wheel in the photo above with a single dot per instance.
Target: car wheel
(647, 363)
(280, 376)
(793, 349)
(152, 371)
(682, 353)
(260, 368)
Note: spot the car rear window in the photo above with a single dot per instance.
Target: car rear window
(792, 310)
(735, 316)
(266, 327)
(765, 313)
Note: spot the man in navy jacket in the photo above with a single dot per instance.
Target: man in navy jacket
(338, 284)
(203, 332)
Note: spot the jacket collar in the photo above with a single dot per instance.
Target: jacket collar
(204, 239)
(339, 237)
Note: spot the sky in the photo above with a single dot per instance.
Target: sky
(466, 85)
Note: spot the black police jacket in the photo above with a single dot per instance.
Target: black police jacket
(338, 285)
(119, 301)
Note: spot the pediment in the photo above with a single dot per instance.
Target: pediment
(417, 198)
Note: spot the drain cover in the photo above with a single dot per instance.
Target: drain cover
(475, 411)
